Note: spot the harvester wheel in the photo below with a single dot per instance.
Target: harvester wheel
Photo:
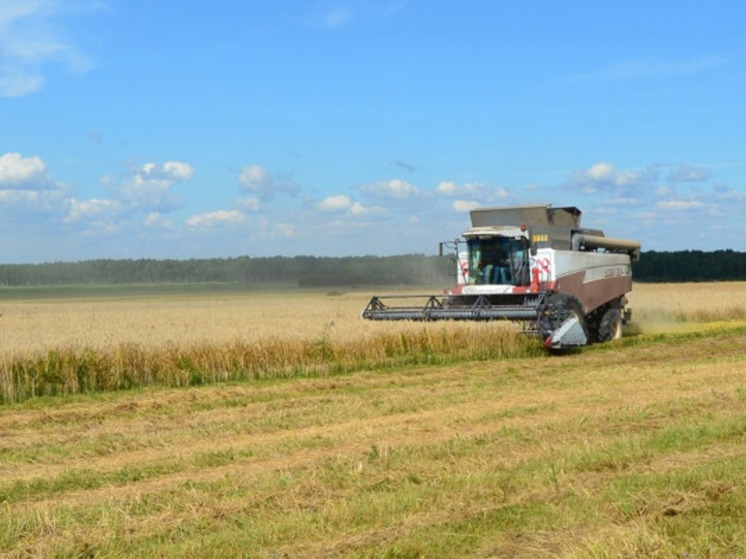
(610, 327)
(558, 308)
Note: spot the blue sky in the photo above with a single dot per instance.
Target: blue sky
(163, 129)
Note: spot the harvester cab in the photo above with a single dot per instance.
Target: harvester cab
(498, 257)
(534, 265)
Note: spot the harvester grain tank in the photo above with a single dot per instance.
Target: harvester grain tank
(534, 265)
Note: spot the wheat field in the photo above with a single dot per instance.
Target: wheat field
(38, 325)
(93, 343)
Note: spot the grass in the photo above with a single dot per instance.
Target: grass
(630, 449)
(609, 453)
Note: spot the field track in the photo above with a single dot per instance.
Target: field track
(627, 450)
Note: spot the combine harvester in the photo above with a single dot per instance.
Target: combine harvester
(534, 265)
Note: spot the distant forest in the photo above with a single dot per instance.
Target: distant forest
(311, 271)
(298, 271)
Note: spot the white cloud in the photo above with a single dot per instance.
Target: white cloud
(663, 191)
(178, 170)
(254, 178)
(465, 205)
(679, 205)
(446, 188)
(23, 205)
(263, 185)
(33, 40)
(341, 203)
(600, 172)
(156, 219)
(18, 172)
(93, 209)
(215, 219)
(249, 203)
(726, 193)
(151, 187)
(170, 170)
(357, 209)
(622, 201)
(395, 188)
(335, 203)
(689, 173)
(482, 192)
(604, 176)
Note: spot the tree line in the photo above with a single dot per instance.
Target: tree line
(312, 271)
(690, 265)
(298, 271)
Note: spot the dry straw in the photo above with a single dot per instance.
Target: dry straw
(127, 365)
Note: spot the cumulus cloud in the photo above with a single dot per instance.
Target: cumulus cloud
(723, 192)
(151, 186)
(214, 219)
(689, 173)
(254, 178)
(23, 173)
(342, 203)
(358, 210)
(93, 209)
(263, 185)
(178, 170)
(33, 40)
(470, 193)
(600, 172)
(605, 176)
(395, 188)
(335, 203)
(27, 191)
(679, 205)
(170, 170)
(147, 189)
(23, 204)
(156, 219)
(465, 205)
(622, 201)
(249, 203)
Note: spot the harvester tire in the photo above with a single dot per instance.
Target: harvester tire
(610, 327)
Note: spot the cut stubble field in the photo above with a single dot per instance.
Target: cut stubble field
(629, 449)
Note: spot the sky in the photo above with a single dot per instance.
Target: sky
(191, 129)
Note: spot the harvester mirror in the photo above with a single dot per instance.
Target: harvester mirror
(449, 245)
